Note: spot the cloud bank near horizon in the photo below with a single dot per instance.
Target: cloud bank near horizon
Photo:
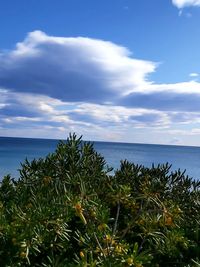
(60, 84)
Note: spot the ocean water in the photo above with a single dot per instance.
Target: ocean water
(13, 151)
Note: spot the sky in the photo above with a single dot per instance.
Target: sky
(110, 70)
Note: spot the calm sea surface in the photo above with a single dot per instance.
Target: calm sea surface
(15, 150)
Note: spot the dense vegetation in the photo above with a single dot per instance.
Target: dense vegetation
(68, 210)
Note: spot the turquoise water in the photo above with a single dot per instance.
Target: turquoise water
(15, 150)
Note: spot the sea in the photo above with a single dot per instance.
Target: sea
(13, 152)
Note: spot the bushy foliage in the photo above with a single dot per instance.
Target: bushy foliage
(68, 210)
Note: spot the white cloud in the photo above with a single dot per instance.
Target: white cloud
(80, 70)
(191, 87)
(53, 85)
(186, 3)
(25, 111)
(194, 74)
(72, 69)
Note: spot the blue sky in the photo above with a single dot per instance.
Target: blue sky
(114, 70)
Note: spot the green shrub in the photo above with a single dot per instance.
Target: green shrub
(67, 210)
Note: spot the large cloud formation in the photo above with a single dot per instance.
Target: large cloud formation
(72, 69)
(51, 85)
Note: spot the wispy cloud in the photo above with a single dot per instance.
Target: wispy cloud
(194, 74)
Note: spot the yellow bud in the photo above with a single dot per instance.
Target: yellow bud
(118, 249)
(78, 207)
(141, 222)
(168, 221)
(93, 213)
(108, 238)
(178, 210)
(102, 227)
(23, 254)
(82, 254)
(47, 180)
(129, 261)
